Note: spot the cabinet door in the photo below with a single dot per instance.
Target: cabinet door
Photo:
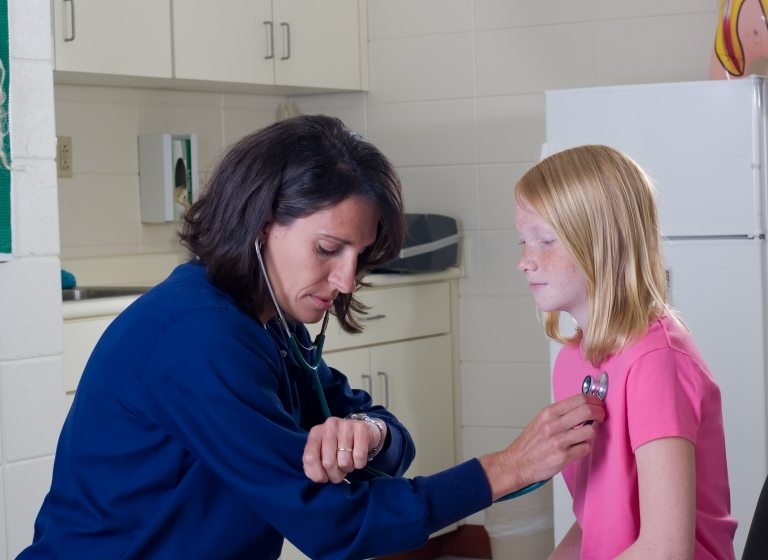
(290, 552)
(223, 40)
(355, 364)
(79, 336)
(317, 44)
(416, 381)
(113, 37)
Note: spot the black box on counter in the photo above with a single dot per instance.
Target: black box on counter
(431, 244)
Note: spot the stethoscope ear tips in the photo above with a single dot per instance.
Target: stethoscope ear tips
(597, 387)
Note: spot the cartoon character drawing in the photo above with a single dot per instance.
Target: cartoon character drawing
(741, 39)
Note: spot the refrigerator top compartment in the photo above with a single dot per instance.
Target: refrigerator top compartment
(703, 144)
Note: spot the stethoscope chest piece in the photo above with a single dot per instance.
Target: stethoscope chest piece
(597, 387)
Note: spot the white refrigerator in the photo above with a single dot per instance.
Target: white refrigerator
(704, 144)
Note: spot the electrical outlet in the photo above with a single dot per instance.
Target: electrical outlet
(64, 156)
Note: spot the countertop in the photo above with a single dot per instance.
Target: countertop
(114, 305)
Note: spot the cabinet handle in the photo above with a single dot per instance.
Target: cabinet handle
(270, 41)
(72, 20)
(287, 42)
(374, 317)
(369, 380)
(386, 387)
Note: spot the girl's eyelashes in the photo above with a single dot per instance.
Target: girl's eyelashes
(545, 242)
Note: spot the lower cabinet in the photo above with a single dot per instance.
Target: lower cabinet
(412, 379)
(84, 323)
(405, 359)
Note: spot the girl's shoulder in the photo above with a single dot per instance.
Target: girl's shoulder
(663, 333)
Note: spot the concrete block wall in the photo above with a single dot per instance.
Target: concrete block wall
(31, 389)
(457, 102)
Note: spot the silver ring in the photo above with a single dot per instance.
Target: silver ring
(344, 449)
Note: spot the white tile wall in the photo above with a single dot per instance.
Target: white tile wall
(31, 392)
(403, 18)
(533, 59)
(652, 49)
(31, 407)
(500, 329)
(462, 129)
(3, 535)
(497, 195)
(35, 233)
(491, 393)
(100, 205)
(510, 128)
(26, 483)
(455, 101)
(30, 300)
(506, 14)
(424, 67)
(443, 190)
(426, 132)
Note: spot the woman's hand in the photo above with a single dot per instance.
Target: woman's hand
(337, 447)
(554, 438)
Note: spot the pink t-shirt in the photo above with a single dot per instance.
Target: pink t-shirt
(658, 387)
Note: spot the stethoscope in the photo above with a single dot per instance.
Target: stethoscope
(295, 346)
(317, 347)
(597, 387)
(590, 386)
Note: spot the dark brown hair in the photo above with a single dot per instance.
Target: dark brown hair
(283, 172)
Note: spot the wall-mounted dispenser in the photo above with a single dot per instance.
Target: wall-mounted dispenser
(167, 175)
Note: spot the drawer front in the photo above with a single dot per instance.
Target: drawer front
(79, 338)
(396, 313)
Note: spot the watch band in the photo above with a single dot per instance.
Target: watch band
(379, 426)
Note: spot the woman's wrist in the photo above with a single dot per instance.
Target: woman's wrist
(378, 426)
(502, 476)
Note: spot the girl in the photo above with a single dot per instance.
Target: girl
(655, 484)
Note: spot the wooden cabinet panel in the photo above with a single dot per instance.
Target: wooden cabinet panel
(113, 37)
(317, 44)
(223, 40)
(415, 381)
(396, 313)
(79, 336)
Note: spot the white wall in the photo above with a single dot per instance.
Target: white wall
(99, 205)
(31, 388)
(456, 101)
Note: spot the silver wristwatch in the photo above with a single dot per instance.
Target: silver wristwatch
(376, 422)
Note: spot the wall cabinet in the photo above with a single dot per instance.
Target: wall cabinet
(113, 37)
(297, 43)
(213, 44)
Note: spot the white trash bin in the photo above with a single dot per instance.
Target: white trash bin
(522, 528)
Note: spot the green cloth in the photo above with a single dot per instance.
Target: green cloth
(5, 173)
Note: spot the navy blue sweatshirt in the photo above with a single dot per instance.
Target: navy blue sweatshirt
(185, 440)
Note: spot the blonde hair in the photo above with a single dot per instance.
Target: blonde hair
(602, 207)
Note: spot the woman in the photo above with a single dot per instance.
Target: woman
(196, 431)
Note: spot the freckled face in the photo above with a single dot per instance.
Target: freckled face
(313, 259)
(555, 279)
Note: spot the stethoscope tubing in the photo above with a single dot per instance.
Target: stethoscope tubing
(311, 369)
(317, 347)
